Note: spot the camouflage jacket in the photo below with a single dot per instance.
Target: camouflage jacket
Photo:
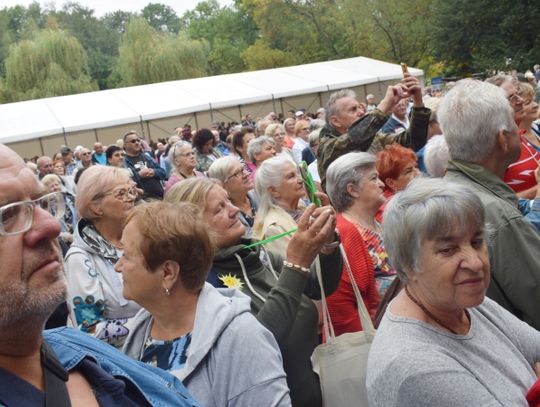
(364, 135)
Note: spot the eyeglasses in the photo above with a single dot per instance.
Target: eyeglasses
(134, 141)
(515, 98)
(236, 174)
(123, 194)
(85, 153)
(17, 217)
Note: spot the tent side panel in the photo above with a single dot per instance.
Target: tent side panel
(27, 149)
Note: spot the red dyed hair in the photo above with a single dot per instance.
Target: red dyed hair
(393, 159)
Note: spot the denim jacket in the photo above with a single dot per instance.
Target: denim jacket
(158, 386)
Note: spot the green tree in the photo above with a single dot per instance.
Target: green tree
(99, 40)
(161, 17)
(479, 35)
(228, 31)
(52, 64)
(261, 56)
(147, 56)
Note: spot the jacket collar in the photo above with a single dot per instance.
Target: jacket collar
(485, 178)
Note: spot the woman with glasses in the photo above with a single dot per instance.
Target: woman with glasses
(236, 181)
(277, 133)
(95, 300)
(301, 131)
(182, 158)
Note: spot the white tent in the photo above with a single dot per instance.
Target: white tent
(40, 126)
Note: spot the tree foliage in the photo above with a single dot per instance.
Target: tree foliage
(148, 56)
(452, 37)
(52, 64)
(228, 32)
(473, 36)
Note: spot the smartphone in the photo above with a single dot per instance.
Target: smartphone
(309, 184)
(404, 68)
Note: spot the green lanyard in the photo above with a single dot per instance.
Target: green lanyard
(271, 238)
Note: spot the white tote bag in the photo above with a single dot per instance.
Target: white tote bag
(341, 362)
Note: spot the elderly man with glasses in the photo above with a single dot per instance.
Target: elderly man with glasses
(141, 163)
(60, 367)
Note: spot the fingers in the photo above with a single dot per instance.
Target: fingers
(303, 221)
(319, 228)
(536, 368)
(325, 201)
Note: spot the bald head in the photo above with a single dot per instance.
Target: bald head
(44, 165)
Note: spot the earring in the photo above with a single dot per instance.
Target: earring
(167, 292)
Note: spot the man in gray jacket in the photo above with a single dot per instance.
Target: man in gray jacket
(479, 128)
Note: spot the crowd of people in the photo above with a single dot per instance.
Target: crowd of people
(186, 270)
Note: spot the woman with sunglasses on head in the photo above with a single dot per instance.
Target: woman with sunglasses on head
(238, 184)
(183, 162)
(95, 300)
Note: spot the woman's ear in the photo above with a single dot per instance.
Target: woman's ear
(353, 190)
(96, 209)
(170, 271)
(274, 193)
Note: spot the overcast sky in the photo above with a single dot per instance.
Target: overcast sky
(102, 7)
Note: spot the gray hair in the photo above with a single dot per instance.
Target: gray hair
(174, 148)
(332, 107)
(499, 79)
(314, 137)
(255, 146)
(428, 209)
(269, 174)
(436, 156)
(471, 116)
(316, 124)
(221, 168)
(348, 169)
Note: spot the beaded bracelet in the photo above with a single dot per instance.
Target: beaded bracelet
(302, 270)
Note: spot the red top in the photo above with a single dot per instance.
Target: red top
(520, 175)
(342, 303)
(533, 395)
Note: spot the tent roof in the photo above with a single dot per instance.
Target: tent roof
(43, 117)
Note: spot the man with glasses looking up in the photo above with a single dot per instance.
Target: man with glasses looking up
(141, 163)
(61, 367)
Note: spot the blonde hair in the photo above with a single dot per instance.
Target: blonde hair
(192, 190)
(94, 183)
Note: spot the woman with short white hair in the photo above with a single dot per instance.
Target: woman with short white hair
(182, 159)
(442, 342)
(260, 149)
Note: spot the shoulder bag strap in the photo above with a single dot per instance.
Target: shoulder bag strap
(56, 376)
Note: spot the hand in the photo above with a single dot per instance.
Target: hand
(316, 227)
(393, 95)
(413, 89)
(325, 201)
(536, 368)
(146, 172)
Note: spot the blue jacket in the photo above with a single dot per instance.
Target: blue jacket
(158, 386)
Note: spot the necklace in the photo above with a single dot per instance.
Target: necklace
(429, 314)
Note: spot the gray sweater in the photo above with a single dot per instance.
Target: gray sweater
(490, 366)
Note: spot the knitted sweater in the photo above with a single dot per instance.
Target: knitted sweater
(342, 303)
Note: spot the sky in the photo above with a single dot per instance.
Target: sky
(102, 7)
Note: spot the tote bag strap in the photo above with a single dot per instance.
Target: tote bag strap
(363, 314)
(328, 328)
